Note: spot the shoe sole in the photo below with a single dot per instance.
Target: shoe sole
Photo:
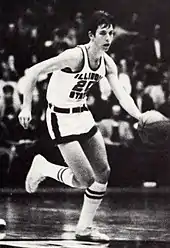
(89, 238)
(30, 175)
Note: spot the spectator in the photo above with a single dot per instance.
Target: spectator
(116, 130)
(13, 74)
(79, 26)
(8, 69)
(165, 107)
(71, 37)
(154, 47)
(58, 43)
(100, 100)
(142, 100)
(10, 102)
(156, 93)
(10, 106)
(124, 78)
(10, 38)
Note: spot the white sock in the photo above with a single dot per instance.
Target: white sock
(92, 199)
(60, 173)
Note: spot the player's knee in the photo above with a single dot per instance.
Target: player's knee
(87, 182)
(84, 182)
(108, 171)
(105, 173)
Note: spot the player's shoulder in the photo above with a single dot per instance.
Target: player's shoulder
(111, 66)
(75, 53)
(74, 57)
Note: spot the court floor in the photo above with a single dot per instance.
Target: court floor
(133, 218)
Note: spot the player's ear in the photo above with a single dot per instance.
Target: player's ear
(91, 35)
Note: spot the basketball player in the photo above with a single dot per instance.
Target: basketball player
(71, 124)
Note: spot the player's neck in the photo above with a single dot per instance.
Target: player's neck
(93, 51)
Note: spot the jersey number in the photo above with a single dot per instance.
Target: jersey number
(79, 86)
(80, 90)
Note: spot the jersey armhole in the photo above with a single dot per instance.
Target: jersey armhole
(105, 66)
(83, 62)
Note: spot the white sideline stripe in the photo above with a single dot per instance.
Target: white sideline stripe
(52, 244)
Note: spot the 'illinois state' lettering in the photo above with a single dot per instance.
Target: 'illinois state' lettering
(88, 76)
(77, 95)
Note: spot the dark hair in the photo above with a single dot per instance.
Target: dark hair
(98, 18)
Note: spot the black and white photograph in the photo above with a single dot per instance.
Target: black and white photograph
(84, 124)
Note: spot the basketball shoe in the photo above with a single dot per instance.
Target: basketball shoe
(35, 175)
(92, 235)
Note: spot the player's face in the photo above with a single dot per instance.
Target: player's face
(103, 37)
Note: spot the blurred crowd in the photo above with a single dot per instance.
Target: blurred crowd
(143, 61)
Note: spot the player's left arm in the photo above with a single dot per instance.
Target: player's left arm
(125, 100)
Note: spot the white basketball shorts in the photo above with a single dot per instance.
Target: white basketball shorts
(67, 127)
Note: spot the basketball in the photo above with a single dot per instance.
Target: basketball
(154, 129)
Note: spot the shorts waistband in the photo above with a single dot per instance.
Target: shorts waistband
(67, 110)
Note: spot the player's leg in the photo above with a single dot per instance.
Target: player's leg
(74, 175)
(78, 163)
(95, 151)
(78, 174)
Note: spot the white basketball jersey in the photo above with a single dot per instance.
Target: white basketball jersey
(69, 89)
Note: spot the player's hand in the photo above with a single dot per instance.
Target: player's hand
(25, 117)
(151, 116)
(144, 116)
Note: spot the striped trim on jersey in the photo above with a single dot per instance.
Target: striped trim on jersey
(66, 139)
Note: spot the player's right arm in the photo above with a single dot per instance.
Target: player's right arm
(123, 97)
(70, 58)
